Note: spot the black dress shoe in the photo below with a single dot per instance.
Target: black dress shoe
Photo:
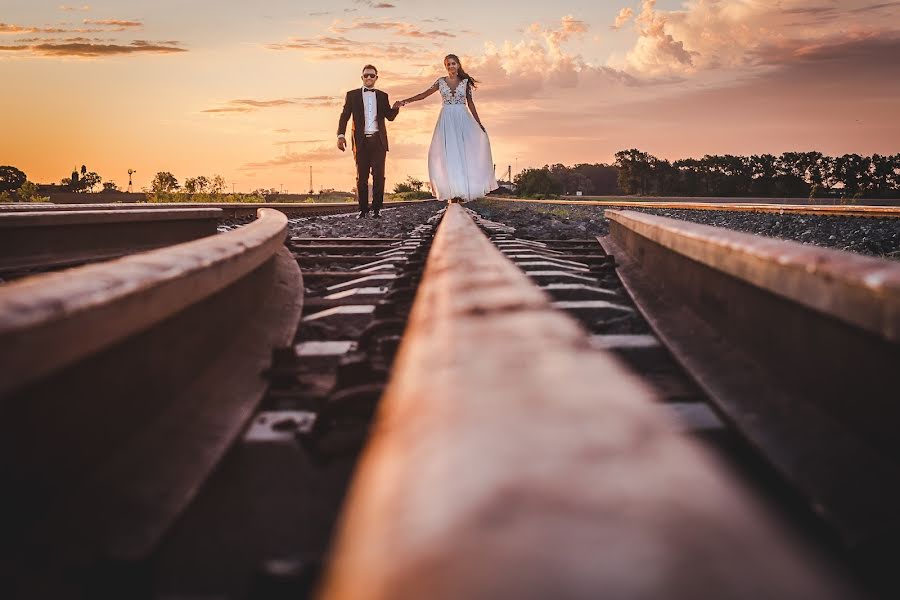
(376, 215)
(362, 214)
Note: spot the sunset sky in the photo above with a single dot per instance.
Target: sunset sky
(253, 90)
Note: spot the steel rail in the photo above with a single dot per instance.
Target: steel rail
(230, 210)
(797, 346)
(123, 384)
(712, 204)
(510, 460)
(42, 239)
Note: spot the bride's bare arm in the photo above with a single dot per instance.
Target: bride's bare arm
(421, 96)
(471, 104)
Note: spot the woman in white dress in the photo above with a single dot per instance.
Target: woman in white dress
(460, 165)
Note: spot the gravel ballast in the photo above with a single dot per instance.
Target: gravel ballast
(394, 223)
(872, 236)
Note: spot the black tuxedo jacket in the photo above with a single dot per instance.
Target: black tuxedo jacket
(353, 106)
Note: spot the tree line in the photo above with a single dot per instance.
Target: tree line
(790, 175)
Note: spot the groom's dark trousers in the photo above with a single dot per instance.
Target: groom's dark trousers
(369, 151)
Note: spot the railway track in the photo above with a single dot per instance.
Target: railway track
(760, 205)
(531, 421)
(230, 210)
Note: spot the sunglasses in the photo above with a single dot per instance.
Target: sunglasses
(370, 76)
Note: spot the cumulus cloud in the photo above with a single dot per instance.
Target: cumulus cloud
(717, 34)
(623, 17)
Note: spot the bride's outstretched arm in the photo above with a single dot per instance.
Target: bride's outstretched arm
(471, 104)
(421, 96)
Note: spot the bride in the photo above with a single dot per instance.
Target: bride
(459, 160)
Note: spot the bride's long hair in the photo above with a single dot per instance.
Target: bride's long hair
(460, 72)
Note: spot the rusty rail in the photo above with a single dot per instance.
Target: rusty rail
(123, 384)
(41, 239)
(510, 460)
(797, 345)
(734, 205)
(230, 210)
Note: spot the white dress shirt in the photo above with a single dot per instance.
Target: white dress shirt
(371, 106)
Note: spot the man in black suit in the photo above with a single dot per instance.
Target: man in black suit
(369, 108)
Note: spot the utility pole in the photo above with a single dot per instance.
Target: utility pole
(232, 188)
(310, 180)
(509, 173)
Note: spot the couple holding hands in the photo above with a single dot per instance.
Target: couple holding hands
(460, 166)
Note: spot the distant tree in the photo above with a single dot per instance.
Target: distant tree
(164, 182)
(218, 185)
(402, 188)
(414, 183)
(28, 192)
(89, 181)
(11, 178)
(634, 170)
(109, 186)
(532, 182)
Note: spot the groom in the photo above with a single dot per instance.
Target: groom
(369, 108)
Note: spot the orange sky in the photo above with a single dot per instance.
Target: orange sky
(252, 91)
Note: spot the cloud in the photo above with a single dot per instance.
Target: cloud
(85, 7)
(373, 4)
(708, 35)
(623, 17)
(9, 28)
(342, 48)
(92, 50)
(319, 154)
(397, 28)
(282, 130)
(246, 106)
(113, 22)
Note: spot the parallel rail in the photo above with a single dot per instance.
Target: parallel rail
(123, 383)
(53, 239)
(760, 205)
(797, 346)
(510, 460)
(230, 210)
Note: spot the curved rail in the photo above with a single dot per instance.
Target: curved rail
(797, 345)
(124, 383)
(41, 239)
(732, 206)
(509, 460)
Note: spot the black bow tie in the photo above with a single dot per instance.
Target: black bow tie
(368, 90)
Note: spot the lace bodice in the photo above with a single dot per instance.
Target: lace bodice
(457, 96)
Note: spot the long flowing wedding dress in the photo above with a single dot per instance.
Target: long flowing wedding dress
(459, 159)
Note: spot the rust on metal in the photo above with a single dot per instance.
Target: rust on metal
(796, 345)
(511, 460)
(124, 383)
(41, 239)
(732, 206)
(860, 290)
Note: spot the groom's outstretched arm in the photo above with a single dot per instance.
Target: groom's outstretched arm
(392, 111)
